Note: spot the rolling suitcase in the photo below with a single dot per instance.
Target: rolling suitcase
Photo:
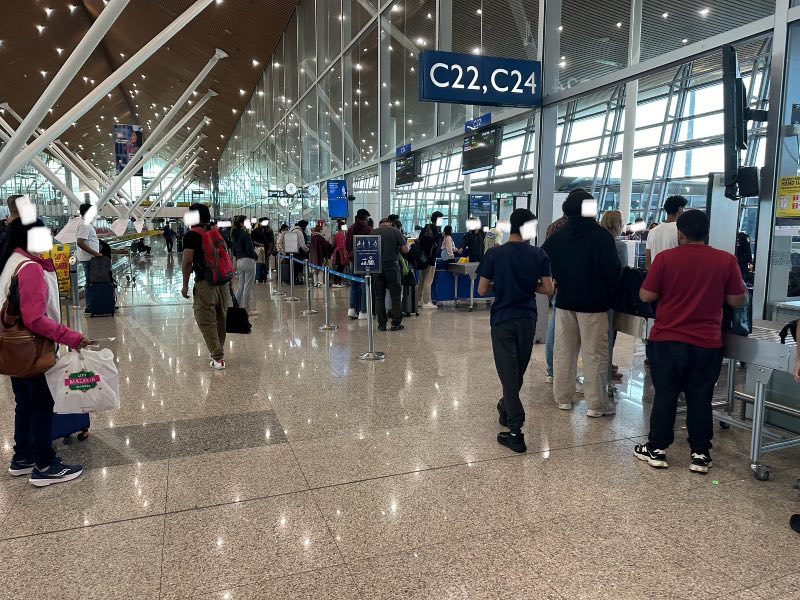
(261, 272)
(100, 299)
(410, 301)
(66, 425)
(285, 273)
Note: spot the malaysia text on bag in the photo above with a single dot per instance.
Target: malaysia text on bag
(84, 382)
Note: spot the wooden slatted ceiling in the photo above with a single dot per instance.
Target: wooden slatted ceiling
(247, 30)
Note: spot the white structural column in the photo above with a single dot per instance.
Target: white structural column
(72, 161)
(631, 100)
(192, 153)
(60, 82)
(165, 199)
(176, 129)
(97, 94)
(190, 165)
(159, 145)
(187, 147)
(139, 158)
(45, 171)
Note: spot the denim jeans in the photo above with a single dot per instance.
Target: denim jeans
(358, 298)
(550, 341)
(33, 420)
(87, 268)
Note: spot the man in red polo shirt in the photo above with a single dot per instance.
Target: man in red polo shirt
(691, 283)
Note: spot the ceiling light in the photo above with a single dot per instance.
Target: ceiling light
(233, 110)
(144, 76)
(47, 11)
(479, 12)
(704, 12)
(59, 50)
(242, 92)
(561, 28)
(665, 15)
(476, 50)
(40, 28)
(619, 24)
(562, 64)
(44, 73)
(684, 40)
(255, 62)
(71, 8)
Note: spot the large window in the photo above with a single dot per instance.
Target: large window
(361, 100)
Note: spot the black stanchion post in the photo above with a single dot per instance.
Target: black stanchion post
(291, 297)
(308, 311)
(76, 294)
(371, 354)
(328, 326)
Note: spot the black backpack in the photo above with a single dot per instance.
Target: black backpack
(787, 329)
(625, 297)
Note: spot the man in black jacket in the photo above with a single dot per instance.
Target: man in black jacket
(586, 269)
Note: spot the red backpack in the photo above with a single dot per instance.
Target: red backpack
(219, 266)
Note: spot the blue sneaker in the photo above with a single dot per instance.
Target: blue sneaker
(57, 472)
(21, 467)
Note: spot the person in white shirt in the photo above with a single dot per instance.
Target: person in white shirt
(88, 242)
(665, 236)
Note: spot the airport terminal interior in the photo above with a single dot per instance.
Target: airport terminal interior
(313, 452)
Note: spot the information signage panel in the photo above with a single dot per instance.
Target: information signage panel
(291, 243)
(367, 254)
(482, 80)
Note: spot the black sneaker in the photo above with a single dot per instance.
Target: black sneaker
(382, 327)
(700, 462)
(398, 327)
(21, 467)
(794, 523)
(57, 472)
(654, 458)
(515, 442)
(503, 419)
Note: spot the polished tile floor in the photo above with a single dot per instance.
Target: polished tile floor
(301, 472)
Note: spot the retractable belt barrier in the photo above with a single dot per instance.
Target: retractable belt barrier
(308, 267)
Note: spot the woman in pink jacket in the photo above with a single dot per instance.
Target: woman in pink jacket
(40, 309)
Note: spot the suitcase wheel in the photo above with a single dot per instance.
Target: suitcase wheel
(67, 440)
(83, 436)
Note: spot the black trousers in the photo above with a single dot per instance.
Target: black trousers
(169, 244)
(389, 280)
(33, 420)
(680, 367)
(512, 345)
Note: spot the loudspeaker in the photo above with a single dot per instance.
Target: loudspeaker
(748, 182)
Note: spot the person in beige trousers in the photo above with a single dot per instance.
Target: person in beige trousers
(586, 268)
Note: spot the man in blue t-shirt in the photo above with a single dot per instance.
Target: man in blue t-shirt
(516, 272)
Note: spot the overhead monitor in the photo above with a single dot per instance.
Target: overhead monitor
(481, 150)
(408, 169)
(338, 205)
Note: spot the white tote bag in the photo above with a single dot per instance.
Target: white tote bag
(84, 382)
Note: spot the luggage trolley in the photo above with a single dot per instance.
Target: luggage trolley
(470, 270)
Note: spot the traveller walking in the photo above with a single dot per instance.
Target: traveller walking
(169, 237)
(88, 242)
(245, 253)
(213, 271)
(339, 258)
(550, 341)
(612, 222)
(691, 282)
(516, 272)
(586, 269)
(37, 300)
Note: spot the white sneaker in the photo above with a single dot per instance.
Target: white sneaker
(218, 365)
(549, 379)
(565, 406)
(578, 387)
(337, 285)
(352, 313)
(604, 412)
(429, 305)
(362, 316)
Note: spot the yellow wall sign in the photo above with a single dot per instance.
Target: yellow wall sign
(60, 257)
(788, 197)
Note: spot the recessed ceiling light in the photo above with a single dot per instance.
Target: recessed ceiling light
(47, 11)
(59, 50)
(665, 15)
(255, 62)
(619, 24)
(684, 40)
(479, 11)
(561, 28)
(71, 8)
(40, 28)
(704, 12)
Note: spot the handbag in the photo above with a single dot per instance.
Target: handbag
(84, 382)
(23, 353)
(237, 321)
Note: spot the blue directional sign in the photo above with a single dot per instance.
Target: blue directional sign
(403, 150)
(483, 80)
(337, 189)
(367, 254)
(479, 123)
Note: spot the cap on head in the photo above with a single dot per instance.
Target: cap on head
(573, 204)
(362, 214)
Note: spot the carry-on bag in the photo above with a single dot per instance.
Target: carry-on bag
(100, 299)
(64, 426)
(84, 382)
(261, 272)
(238, 321)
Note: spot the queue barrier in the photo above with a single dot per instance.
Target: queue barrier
(308, 266)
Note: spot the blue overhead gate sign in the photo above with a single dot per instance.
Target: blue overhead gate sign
(483, 80)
